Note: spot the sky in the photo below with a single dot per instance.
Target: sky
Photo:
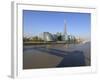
(35, 22)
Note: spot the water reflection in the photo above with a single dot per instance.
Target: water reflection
(70, 58)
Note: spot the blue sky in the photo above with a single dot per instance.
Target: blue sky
(35, 22)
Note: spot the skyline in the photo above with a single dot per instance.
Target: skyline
(78, 24)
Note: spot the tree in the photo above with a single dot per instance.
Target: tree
(59, 38)
(25, 39)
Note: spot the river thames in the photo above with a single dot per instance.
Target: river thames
(56, 55)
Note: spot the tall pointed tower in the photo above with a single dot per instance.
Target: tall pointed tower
(65, 36)
(65, 27)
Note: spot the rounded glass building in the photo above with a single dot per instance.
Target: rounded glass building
(47, 36)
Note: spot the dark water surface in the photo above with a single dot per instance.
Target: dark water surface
(70, 59)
